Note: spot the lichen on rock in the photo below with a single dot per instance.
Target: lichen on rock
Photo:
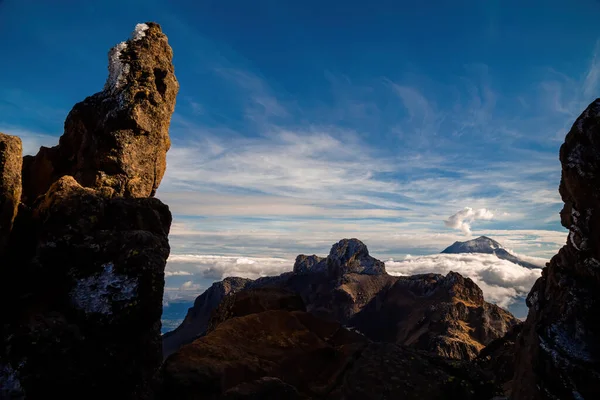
(97, 293)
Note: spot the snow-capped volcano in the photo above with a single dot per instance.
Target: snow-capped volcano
(485, 245)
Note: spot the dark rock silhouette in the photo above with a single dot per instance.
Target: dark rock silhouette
(86, 255)
(498, 358)
(558, 353)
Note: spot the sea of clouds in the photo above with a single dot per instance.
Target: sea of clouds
(501, 281)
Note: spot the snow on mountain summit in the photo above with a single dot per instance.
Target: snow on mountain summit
(485, 245)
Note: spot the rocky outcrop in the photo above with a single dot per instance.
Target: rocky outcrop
(309, 264)
(87, 252)
(10, 184)
(352, 256)
(196, 321)
(558, 353)
(118, 138)
(446, 315)
(293, 354)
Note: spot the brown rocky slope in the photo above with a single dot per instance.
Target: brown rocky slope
(83, 271)
(263, 345)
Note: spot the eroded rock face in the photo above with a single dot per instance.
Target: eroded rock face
(309, 264)
(558, 353)
(118, 138)
(352, 256)
(445, 315)
(83, 273)
(11, 163)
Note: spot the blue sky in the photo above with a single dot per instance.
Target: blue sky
(300, 123)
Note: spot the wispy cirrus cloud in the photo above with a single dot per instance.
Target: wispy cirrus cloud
(260, 102)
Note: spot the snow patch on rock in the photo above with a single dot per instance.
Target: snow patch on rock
(139, 32)
(117, 69)
(572, 240)
(96, 294)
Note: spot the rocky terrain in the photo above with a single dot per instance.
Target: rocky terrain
(446, 315)
(84, 244)
(485, 245)
(262, 344)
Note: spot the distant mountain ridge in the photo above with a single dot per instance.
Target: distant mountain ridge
(486, 245)
(443, 314)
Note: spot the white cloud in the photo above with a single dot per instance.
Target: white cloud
(501, 281)
(190, 285)
(177, 273)
(464, 218)
(287, 238)
(215, 267)
(284, 163)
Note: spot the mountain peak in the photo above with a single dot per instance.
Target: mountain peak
(352, 256)
(486, 245)
(482, 244)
